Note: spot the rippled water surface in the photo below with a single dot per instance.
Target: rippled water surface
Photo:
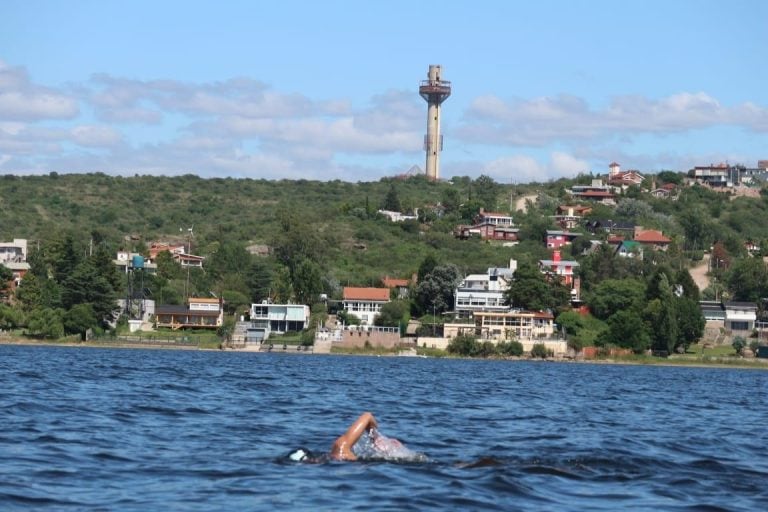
(103, 429)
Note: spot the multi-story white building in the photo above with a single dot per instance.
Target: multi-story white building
(484, 292)
(15, 251)
(364, 303)
(13, 256)
(269, 318)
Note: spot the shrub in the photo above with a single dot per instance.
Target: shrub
(738, 344)
(511, 348)
(539, 350)
(464, 345)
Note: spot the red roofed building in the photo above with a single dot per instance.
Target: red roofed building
(652, 238)
(400, 286)
(364, 303)
(620, 178)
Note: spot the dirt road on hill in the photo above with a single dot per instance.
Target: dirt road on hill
(520, 203)
(699, 273)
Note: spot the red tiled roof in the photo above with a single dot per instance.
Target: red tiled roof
(594, 193)
(651, 236)
(391, 282)
(352, 293)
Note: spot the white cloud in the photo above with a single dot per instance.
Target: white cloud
(540, 121)
(22, 100)
(95, 136)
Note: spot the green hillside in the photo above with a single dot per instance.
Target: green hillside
(325, 235)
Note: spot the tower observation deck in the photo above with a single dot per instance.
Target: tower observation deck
(435, 91)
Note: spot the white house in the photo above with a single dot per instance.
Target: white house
(364, 303)
(740, 316)
(15, 251)
(269, 318)
(484, 292)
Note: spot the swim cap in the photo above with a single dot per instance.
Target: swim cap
(299, 455)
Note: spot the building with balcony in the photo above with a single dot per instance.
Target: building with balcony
(364, 303)
(484, 292)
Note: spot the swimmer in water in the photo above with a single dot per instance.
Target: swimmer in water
(342, 447)
(378, 444)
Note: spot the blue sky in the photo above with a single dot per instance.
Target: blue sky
(329, 90)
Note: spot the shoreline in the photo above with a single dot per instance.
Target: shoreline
(749, 364)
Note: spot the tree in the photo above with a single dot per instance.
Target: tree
(661, 314)
(6, 276)
(697, 231)
(63, 257)
(297, 241)
(85, 286)
(614, 295)
(748, 280)
(626, 329)
(46, 323)
(307, 281)
(79, 319)
(684, 280)
(38, 292)
(486, 191)
(258, 279)
(437, 289)
(392, 200)
(690, 321)
(427, 266)
(451, 200)
(530, 289)
(230, 258)
(392, 314)
(10, 317)
(167, 267)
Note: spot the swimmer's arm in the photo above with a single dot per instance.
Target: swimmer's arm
(342, 447)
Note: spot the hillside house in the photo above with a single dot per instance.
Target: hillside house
(724, 176)
(627, 229)
(129, 261)
(397, 216)
(563, 270)
(490, 226)
(570, 216)
(652, 238)
(484, 292)
(364, 303)
(557, 239)
(178, 253)
(13, 256)
(399, 287)
(630, 249)
(506, 235)
(623, 179)
(664, 191)
(597, 192)
(197, 313)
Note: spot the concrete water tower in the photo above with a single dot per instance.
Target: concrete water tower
(435, 91)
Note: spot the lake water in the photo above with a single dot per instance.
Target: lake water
(111, 429)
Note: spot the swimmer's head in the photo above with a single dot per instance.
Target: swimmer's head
(300, 455)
